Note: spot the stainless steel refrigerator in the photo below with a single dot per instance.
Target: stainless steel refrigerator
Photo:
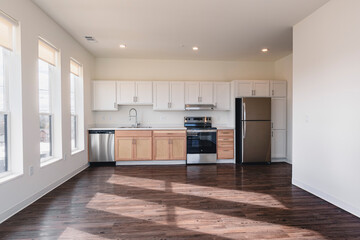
(253, 130)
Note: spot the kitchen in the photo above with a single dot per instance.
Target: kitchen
(214, 99)
(202, 119)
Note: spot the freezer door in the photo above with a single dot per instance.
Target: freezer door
(256, 109)
(256, 141)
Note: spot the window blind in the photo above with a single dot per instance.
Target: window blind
(47, 53)
(75, 68)
(6, 33)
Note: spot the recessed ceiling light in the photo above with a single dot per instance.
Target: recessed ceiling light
(264, 50)
(122, 46)
(195, 48)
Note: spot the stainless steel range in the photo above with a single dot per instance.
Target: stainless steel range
(201, 140)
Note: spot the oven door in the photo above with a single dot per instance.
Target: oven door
(201, 141)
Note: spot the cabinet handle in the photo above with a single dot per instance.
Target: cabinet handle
(272, 92)
(254, 92)
(272, 133)
(272, 125)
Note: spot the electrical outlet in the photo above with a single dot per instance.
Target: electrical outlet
(31, 170)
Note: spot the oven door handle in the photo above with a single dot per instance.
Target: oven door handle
(201, 131)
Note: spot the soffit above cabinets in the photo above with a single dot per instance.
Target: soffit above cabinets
(233, 30)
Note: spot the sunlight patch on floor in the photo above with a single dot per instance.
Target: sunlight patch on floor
(71, 233)
(238, 196)
(204, 221)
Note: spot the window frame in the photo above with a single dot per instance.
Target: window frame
(53, 71)
(77, 114)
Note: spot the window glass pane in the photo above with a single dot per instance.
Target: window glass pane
(2, 81)
(45, 136)
(73, 131)
(73, 80)
(3, 143)
(44, 87)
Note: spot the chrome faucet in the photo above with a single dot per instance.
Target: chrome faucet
(136, 124)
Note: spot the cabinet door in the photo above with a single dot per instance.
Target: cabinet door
(278, 113)
(104, 96)
(178, 148)
(177, 96)
(124, 148)
(143, 148)
(125, 92)
(222, 96)
(261, 88)
(243, 89)
(278, 88)
(161, 148)
(191, 93)
(144, 93)
(161, 96)
(278, 144)
(206, 93)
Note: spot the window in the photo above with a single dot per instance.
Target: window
(49, 100)
(9, 77)
(76, 106)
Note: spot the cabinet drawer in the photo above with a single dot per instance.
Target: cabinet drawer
(226, 144)
(225, 133)
(134, 133)
(176, 133)
(225, 153)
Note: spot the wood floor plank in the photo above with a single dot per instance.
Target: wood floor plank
(181, 202)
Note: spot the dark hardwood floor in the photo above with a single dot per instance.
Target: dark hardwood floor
(181, 202)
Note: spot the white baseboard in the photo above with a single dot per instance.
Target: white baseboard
(23, 204)
(142, 163)
(333, 200)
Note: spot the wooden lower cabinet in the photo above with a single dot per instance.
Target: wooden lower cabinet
(169, 145)
(133, 145)
(225, 144)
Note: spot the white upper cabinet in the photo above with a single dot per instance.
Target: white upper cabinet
(169, 96)
(192, 90)
(244, 88)
(144, 93)
(161, 95)
(134, 93)
(278, 113)
(261, 88)
(222, 95)
(206, 93)
(126, 92)
(278, 88)
(104, 96)
(252, 88)
(177, 96)
(199, 93)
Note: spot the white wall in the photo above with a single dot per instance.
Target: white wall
(182, 70)
(34, 23)
(326, 119)
(284, 71)
(174, 70)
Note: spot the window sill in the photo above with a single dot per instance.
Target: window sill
(8, 176)
(47, 162)
(76, 151)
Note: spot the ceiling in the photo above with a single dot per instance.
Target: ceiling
(233, 30)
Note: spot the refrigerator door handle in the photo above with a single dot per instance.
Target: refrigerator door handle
(244, 111)
(244, 129)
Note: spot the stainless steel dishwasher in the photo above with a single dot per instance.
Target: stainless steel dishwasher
(101, 145)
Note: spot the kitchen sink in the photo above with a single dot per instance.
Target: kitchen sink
(135, 127)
